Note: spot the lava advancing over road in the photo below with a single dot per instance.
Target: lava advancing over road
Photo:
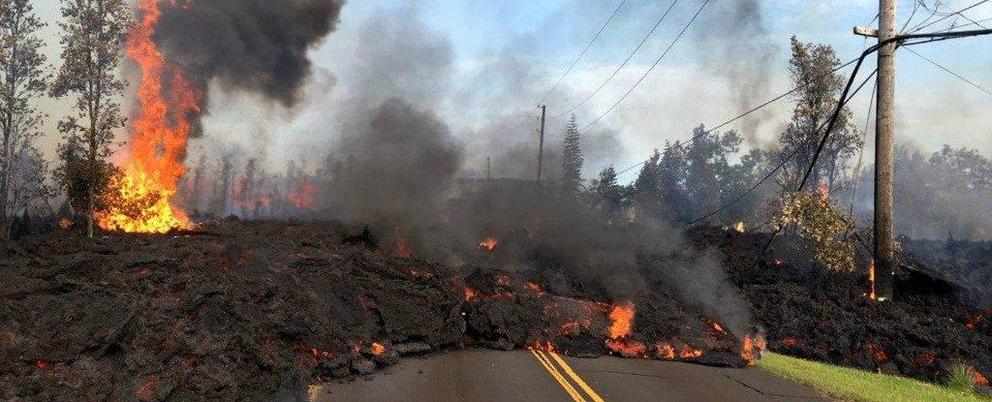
(142, 198)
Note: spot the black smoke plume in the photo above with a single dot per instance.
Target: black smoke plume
(257, 46)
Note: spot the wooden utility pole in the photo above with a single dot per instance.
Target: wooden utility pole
(884, 247)
(540, 150)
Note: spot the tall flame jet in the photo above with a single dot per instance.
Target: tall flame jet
(158, 138)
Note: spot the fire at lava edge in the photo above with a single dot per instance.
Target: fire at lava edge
(143, 196)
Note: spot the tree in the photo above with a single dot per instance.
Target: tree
(92, 38)
(22, 79)
(609, 192)
(571, 161)
(812, 71)
(646, 192)
(707, 167)
(672, 181)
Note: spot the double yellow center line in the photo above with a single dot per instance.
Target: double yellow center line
(558, 371)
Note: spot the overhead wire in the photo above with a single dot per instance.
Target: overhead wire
(937, 21)
(623, 64)
(949, 71)
(584, 51)
(653, 66)
(744, 114)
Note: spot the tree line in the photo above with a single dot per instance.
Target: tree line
(92, 35)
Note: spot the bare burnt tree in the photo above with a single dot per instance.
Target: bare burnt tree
(22, 79)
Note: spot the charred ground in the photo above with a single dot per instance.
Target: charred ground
(259, 310)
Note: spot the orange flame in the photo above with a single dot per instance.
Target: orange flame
(622, 317)
(664, 351)
(302, 195)
(871, 279)
(378, 349)
(142, 199)
(627, 348)
(979, 378)
(751, 348)
(489, 244)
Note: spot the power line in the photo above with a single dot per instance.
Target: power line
(959, 76)
(624, 64)
(828, 124)
(745, 114)
(653, 66)
(978, 23)
(583, 53)
(937, 21)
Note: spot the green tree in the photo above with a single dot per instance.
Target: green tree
(92, 39)
(672, 170)
(646, 192)
(571, 160)
(812, 71)
(609, 193)
(22, 79)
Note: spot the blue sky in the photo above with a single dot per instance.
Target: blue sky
(495, 59)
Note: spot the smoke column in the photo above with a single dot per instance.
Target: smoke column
(257, 46)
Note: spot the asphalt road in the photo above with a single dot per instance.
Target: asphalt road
(483, 375)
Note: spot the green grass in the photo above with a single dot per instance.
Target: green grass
(856, 385)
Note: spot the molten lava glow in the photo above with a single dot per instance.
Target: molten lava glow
(627, 348)
(142, 200)
(534, 287)
(65, 223)
(718, 327)
(790, 342)
(470, 294)
(751, 348)
(489, 244)
(42, 364)
(622, 318)
(979, 378)
(378, 349)
(664, 351)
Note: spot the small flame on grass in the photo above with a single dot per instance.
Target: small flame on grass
(378, 349)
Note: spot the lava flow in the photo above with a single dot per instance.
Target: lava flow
(141, 200)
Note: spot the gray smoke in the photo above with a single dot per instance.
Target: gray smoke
(735, 37)
(257, 46)
(397, 168)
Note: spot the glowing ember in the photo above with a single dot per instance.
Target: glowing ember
(979, 378)
(489, 244)
(627, 348)
(790, 342)
(664, 351)
(718, 327)
(622, 318)
(688, 352)
(65, 223)
(502, 280)
(470, 294)
(534, 287)
(751, 348)
(42, 364)
(378, 349)
(740, 227)
(141, 201)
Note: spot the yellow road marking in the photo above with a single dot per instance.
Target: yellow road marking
(572, 392)
(575, 377)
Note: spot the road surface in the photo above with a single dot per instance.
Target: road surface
(483, 375)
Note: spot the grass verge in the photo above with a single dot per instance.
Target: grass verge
(856, 385)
